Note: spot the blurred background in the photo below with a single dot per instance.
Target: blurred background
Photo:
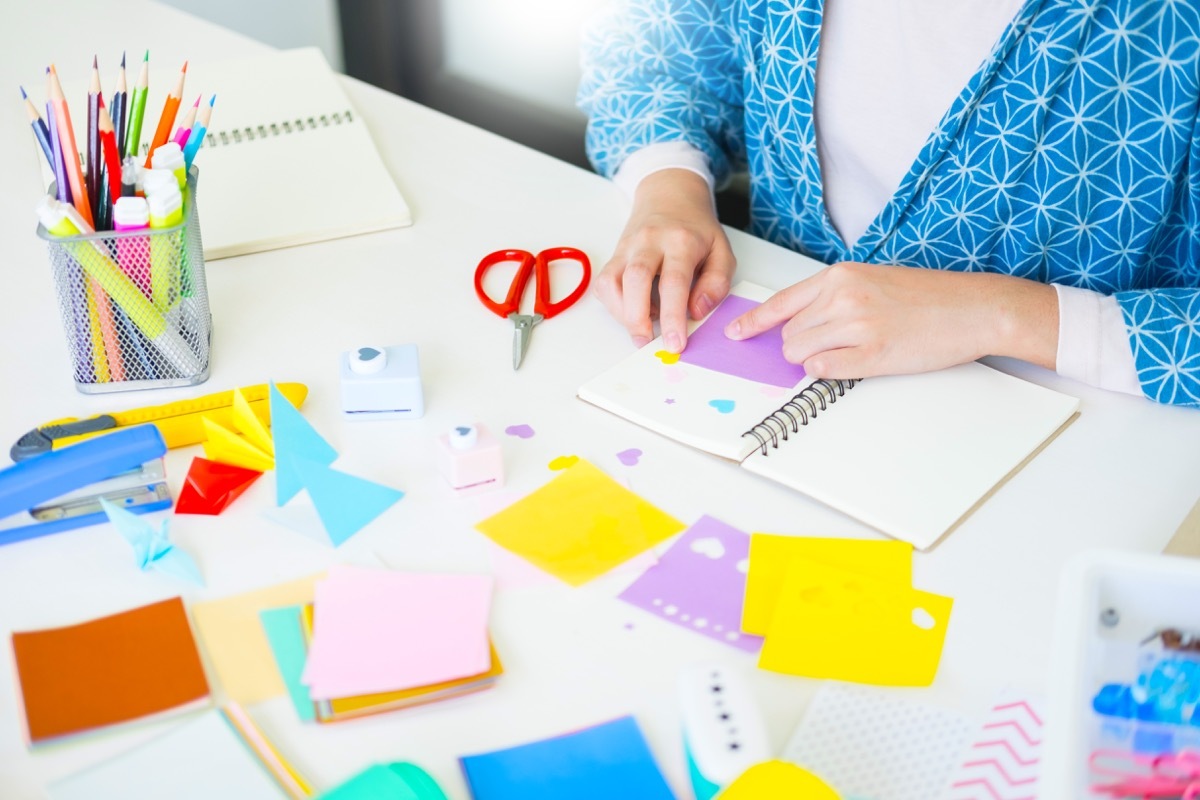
(510, 66)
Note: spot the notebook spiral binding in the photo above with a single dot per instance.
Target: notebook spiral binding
(805, 405)
(231, 136)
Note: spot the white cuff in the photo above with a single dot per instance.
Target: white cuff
(1093, 345)
(657, 157)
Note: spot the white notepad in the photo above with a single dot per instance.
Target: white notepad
(910, 455)
(199, 760)
(286, 161)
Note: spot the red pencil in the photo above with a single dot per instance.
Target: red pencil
(170, 109)
(112, 159)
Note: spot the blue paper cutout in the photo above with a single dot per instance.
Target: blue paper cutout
(152, 547)
(285, 635)
(611, 760)
(294, 438)
(344, 502)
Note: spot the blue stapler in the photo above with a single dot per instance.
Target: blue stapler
(61, 490)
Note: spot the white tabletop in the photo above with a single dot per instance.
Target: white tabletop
(1123, 475)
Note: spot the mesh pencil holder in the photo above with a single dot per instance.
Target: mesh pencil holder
(135, 304)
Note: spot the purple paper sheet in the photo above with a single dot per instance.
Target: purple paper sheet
(758, 359)
(698, 584)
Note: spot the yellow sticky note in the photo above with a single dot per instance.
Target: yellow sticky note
(840, 625)
(227, 447)
(236, 643)
(249, 425)
(889, 561)
(778, 779)
(579, 525)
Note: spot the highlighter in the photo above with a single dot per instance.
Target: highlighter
(170, 157)
(63, 219)
(166, 211)
(132, 213)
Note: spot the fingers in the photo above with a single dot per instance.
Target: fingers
(778, 309)
(714, 280)
(674, 285)
(623, 286)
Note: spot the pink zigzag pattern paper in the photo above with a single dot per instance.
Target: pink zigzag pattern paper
(1002, 762)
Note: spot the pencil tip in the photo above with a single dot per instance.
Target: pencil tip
(122, 59)
(184, 67)
(197, 103)
(212, 100)
(147, 56)
(95, 63)
(23, 95)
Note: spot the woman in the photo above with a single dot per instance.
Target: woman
(1039, 158)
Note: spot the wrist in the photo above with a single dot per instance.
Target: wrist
(673, 187)
(1024, 320)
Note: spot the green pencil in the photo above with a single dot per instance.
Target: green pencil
(137, 108)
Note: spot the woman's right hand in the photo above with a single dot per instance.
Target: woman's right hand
(672, 235)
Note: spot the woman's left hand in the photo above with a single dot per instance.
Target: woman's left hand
(855, 320)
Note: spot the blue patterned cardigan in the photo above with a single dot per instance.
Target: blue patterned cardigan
(1071, 156)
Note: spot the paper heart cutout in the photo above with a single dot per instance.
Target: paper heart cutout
(667, 357)
(675, 374)
(724, 406)
(367, 353)
(520, 431)
(629, 457)
(743, 566)
(709, 546)
(562, 462)
(462, 431)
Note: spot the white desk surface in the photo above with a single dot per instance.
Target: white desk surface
(1123, 475)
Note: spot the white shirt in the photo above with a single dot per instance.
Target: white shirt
(887, 71)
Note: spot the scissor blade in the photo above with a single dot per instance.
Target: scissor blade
(522, 331)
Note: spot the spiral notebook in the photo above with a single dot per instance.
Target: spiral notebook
(910, 455)
(286, 160)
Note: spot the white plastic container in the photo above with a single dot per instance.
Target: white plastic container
(1108, 603)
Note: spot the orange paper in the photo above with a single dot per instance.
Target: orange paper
(109, 670)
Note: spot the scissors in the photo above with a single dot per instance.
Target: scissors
(537, 266)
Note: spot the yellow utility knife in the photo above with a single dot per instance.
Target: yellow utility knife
(179, 422)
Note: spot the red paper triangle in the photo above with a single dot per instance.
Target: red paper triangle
(210, 486)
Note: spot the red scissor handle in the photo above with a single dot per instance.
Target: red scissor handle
(512, 303)
(531, 265)
(541, 303)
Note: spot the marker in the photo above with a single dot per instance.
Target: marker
(166, 211)
(170, 109)
(137, 108)
(66, 139)
(61, 219)
(185, 128)
(131, 213)
(39, 127)
(196, 139)
(170, 157)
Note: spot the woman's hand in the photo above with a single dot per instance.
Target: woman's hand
(672, 235)
(859, 320)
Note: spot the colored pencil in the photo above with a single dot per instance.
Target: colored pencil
(91, 175)
(185, 128)
(196, 139)
(120, 110)
(66, 138)
(170, 109)
(137, 109)
(39, 127)
(112, 159)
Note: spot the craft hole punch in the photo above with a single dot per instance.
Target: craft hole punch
(470, 459)
(723, 729)
(61, 490)
(382, 383)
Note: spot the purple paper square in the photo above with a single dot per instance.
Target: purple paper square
(699, 584)
(758, 359)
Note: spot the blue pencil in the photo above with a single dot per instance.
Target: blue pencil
(39, 127)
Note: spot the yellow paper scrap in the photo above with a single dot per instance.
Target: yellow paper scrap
(247, 423)
(236, 644)
(889, 561)
(580, 525)
(778, 779)
(227, 447)
(840, 625)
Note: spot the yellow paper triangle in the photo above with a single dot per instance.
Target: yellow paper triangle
(889, 562)
(778, 779)
(835, 624)
(247, 423)
(227, 447)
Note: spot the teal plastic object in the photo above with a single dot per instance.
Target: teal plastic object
(702, 787)
(397, 781)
